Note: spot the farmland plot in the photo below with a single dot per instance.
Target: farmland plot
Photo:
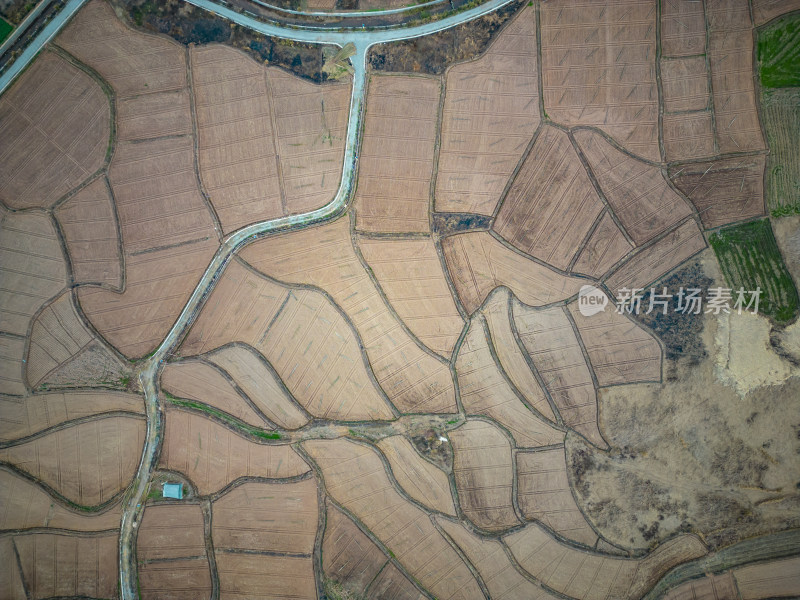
(551, 204)
(183, 578)
(619, 350)
(212, 456)
(766, 10)
(484, 471)
(730, 53)
(396, 159)
(420, 479)
(26, 505)
(636, 191)
(392, 583)
(410, 274)
(66, 565)
(495, 568)
(544, 494)
(349, 557)
(88, 221)
(355, 478)
(23, 417)
(554, 348)
(724, 191)
(687, 128)
(688, 135)
(478, 263)
(657, 260)
(769, 580)
(148, 116)
(310, 345)
(324, 256)
(132, 62)
(168, 237)
(55, 131)
(598, 69)
(170, 531)
(583, 574)
(491, 110)
(683, 28)
(267, 517)
(12, 351)
(509, 354)
(88, 463)
(11, 584)
(605, 246)
(32, 268)
(265, 577)
(485, 391)
(710, 587)
(198, 380)
(261, 385)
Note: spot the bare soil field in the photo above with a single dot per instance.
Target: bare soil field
(598, 67)
(766, 10)
(710, 587)
(212, 456)
(396, 158)
(237, 154)
(349, 557)
(26, 505)
(773, 579)
(62, 565)
(495, 568)
(637, 192)
(268, 517)
(683, 28)
(685, 84)
(552, 204)
(510, 357)
(12, 353)
(310, 127)
(88, 221)
(57, 335)
(170, 531)
(132, 62)
(154, 115)
(356, 479)
(605, 246)
(620, 350)
(392, 584)
(302, 335)
(88, 463)
(723, 191)
(653, 262)
(260, 384)
(23, 417)
(544, 494)
(11, 584)
(688, 135)
(484, 471)
(420, 479)
(55, 132)
(554, 349)
(486, 391)
(410, 274)
(32, 268)
(324, 256)
(266, 577)
(478, 263)
(730, 53)
(198, 380)
(181, 579)
(583, 574)
(491, 110)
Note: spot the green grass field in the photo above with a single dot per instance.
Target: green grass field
(750, 258)
(778, 53)
(5, 29)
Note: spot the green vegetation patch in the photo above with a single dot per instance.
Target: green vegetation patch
(5, 29)
(750, 259)
(778, 53)
(223, 416)
(781, 114)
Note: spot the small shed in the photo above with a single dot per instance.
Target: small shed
(172, 490)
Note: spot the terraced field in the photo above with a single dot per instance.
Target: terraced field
(405, 399)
